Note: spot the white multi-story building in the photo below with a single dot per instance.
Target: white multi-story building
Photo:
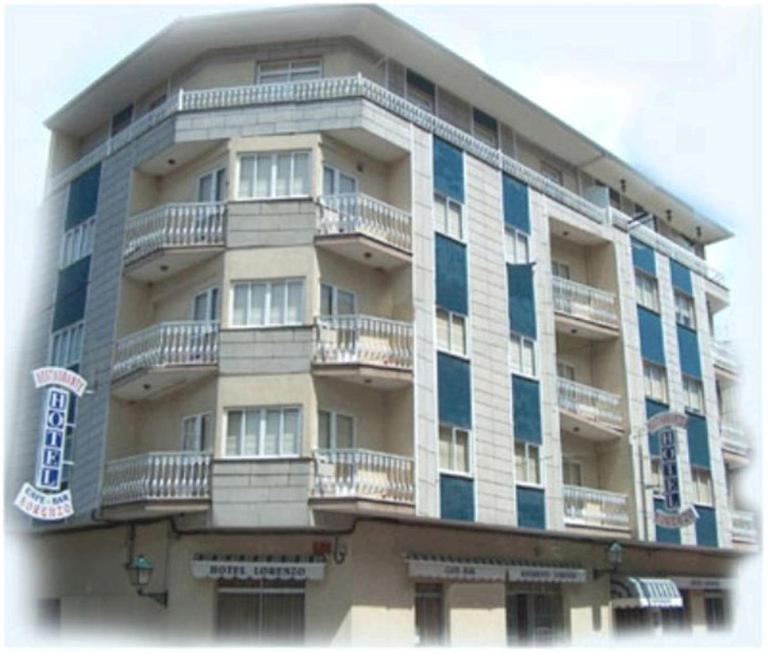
(371, 344)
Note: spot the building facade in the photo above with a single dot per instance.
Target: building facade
(371, 344)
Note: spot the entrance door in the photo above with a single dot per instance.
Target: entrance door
(533, 618)
(430, 615)
(267, 613)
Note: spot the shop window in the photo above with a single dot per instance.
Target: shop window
(430, 615)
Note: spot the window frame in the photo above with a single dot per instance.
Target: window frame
(648, 365)
(451, 316)
(262, 411)
(698, 473)
(335, 290)
(523, 341)
(79, 329)
(436, 199)
(641, 292)
(77, 243)
(551, 172)
(527, 458)
(199, 418)
(269, 283)
(689, 311)
(687, 381)
(576, 465)
(273, 154)
(569, 371)
(333, 423)
(290, 65)
(514, 236)
(214, 174)
(454, 471)
(209, 293)
(337, 174)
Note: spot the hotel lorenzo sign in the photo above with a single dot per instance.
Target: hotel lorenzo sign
(43, 498)
(663, 427)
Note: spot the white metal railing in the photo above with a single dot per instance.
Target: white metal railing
(723, 354)
(197, 224)
(585, 302)
(331, 88)
(743, 526)
(592, 507)
(166, 476)
(363, 339)
(666, 246)
(589, 403)
(733, 439)
(360, 473)
(359, 213)
(167, 343)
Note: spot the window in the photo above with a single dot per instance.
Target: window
(702, 484)
(420, 91)
(210, 186)
(263, 432)
(516, 246)
(451, 332)
(684, 312)
(522, 355)
(715, 614)
(288, 71)
(551, 172)
(571, 472)
(336, 431)
(656, 481)
(430, 615)
(566, 371)
(335, 301)
(336, 182)
(121, 119)
(561, 270)
(268, 303)
(655, 382)
(527, 466)
(274, 175)
(66, 345)
(647, 290)
(196, 433)
(449, 218)
(158, 101)
(694, 394)
(454, 449)
(485, 128)
(77, 243)
(205, 306)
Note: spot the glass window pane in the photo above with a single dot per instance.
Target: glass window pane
(454, 220)
(245, 185)
(324, 429)
(301, 176)
(204, 425)
(347, 184)
(272, 433)
(443, 337)
(283, 179)
(345, 432)
(189, 434)
(445, 448)
(294, 311)
(200, 309)
(326, 299)
(277, 303)
(75, 344)
(529, 365)
(258, 310)
(264, 175)
(441, 217)
(462, 451)
(252, 426)
(240, 304)
(458, 335)
(290, 445)
(205, 188)
(533, 457)
(234, 427)
(346, 302)
(221, 177)
(329, 181)
(520, 468)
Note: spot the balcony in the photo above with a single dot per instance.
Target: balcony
(172, 238)
(744, 527)
(589, 412)
(362, 475)
(364, 349)
(592, 508)
(722, 354)
(584, 310)
(736, 447)
(365, 230)
(162, 357)
(156, 483)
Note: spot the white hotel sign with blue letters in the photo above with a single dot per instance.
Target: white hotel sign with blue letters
(45, 500)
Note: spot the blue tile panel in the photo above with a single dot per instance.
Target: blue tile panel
(71, 293)
(643, 257)
(515, 203)
(448, 171)
(454, 394)
(457, 497)
(530, 507)
(681, 277)
(521, 301)
(651, 338)
(526, 409)
(688, 346)
(451, 274)
(698, 441)
(663, 534)
(706, 526)
(83, 197)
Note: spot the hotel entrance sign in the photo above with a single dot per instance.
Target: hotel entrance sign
(44, 499)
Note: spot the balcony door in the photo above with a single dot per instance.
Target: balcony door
(335, 182)
(336, 431)
(196, 433)
(211, 186)
(205, 306)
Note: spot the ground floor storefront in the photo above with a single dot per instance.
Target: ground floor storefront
(372, 582)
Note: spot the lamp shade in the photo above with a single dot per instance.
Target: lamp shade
(140, 571)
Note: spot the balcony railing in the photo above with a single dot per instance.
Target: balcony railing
(743, 526)
(584, 302)
(167, 344)
(359, 213)
(734, 440)
(363, 474)
(167, 476)
(363, 340)
(333, 88)
(174, 225)
(723, 354)
(589, 403)
(591, 507)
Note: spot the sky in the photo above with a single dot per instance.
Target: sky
(672, 90)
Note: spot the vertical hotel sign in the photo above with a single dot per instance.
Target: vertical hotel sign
(44, 499)
(663, 427)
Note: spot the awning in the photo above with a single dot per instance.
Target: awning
(702, 582)
(439, 567)
(635, 592)
(248, 567)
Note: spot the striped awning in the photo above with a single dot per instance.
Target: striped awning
(441, 567)
(636, 592)
(249, 567)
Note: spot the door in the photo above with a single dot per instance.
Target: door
(533, 618)
(430, 615)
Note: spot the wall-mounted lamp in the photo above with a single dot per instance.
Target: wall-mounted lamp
(140, 570)
(615, 556)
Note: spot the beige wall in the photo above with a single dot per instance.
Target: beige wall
(477, 614)
(181, 184)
